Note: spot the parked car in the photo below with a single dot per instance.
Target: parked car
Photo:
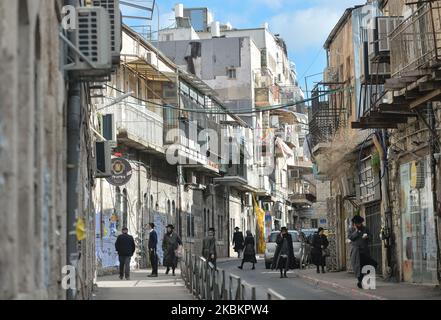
(271, 247)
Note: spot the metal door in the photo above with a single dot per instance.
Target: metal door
(373, 223)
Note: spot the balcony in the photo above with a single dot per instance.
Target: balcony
(138, 127)
(327, 115)
(278, 192)
(266, 96)
(239, 176)
(303, 193)
(288, 135)
(415, 58)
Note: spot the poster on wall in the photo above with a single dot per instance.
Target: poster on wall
(160, 223)
(419, 258)
(105, 242)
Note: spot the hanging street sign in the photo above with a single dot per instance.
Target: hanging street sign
(121, 172)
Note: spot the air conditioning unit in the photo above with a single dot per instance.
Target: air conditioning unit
(379, 37)
(103, 159)
(294, 174)
(373, 68)
(112, 7)
(330, 74)
(92, 38)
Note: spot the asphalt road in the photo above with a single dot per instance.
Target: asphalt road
(292, 288)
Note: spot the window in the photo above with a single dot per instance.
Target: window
(220, 227)
(314, 223)
(167, 37)
(168, 208)
(117, 208)
(205, 222)
(125, 209)
(190, 226)
(231, 73)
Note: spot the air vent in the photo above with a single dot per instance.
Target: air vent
(112, 7)
(92, 38)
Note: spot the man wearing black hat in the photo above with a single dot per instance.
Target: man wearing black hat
(125, 246)
(170, 245)
(359, 236)
(238, 241)
(284, 258)
(153, 243)
(209, 247)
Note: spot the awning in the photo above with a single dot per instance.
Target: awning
(286, 150)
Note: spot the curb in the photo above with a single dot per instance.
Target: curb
(340, 287)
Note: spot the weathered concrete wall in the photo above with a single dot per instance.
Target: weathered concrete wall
(33, 151)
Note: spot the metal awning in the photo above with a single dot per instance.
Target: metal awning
(144, 68)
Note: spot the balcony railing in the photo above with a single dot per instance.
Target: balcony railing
(139, 124)
(416, 42)
(303, 192)
(327, 115)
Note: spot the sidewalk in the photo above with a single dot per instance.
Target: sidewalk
(345, 282)
(140, 287)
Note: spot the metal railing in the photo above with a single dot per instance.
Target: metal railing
(207, 282)
(138, 121)
(416, 42)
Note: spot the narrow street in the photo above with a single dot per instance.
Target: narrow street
(141, 134)
(292, 288)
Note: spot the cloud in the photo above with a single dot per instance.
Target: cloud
(307, 28)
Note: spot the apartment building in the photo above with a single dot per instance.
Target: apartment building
(249, 69)
(373, 130)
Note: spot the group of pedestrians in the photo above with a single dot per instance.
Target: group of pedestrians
(283, 260)
(358, 236)
(171, 246)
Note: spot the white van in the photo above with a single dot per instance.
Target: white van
(271, 247)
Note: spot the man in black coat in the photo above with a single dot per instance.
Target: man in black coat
(360, 255)
(125, 246)
(319, 245)
(153, 243)
(284, 258)
(238, 241)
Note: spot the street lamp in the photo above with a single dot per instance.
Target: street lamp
(306, 83)
(117, 100)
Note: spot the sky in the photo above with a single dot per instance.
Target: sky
(303, 24)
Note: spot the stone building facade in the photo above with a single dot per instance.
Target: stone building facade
(33, 138)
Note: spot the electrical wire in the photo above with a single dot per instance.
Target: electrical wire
(243, 112)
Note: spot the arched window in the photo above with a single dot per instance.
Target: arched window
(168, 208)
(205, 222)
(117, 208)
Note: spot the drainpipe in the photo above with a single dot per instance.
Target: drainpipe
(388, 214)
(73, 159)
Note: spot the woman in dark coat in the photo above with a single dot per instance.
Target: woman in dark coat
(249, 255)
(284, 256)
(319, 244)
(170, 244)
